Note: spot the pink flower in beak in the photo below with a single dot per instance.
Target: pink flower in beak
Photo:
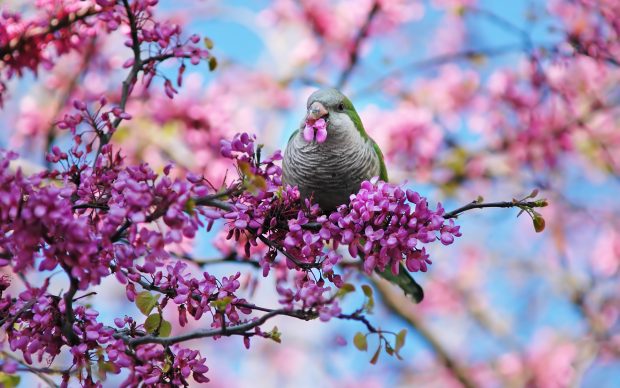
(316, 126)
(315, 131)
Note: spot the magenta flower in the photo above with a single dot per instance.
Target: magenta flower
(316, 130)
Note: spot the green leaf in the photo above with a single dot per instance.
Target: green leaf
(359, 340)
(275, 335)
(345, 289)
(212, 63)
(375, 358)
(400, 340)
(208, 43)
(190, 205)
(370, 303)
(539, 222)
(146, 301)
(152, 323)
(9, 381)
(221, 304)
(165, 329)
(405, 281)
(103, 368)
(156, 324)
(367, 290)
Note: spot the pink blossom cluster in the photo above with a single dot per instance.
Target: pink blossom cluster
(591, 27)
(98, 224)
(309, 294)
(56, 29)
(67, 26)
(389, 224)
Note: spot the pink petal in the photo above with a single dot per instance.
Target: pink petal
(308, 133)
(321, 135)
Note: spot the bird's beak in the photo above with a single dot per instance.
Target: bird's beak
(315, 112)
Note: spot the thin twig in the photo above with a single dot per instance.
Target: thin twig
(480, 205)
(467, 54)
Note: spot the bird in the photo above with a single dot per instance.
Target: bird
(330, 155)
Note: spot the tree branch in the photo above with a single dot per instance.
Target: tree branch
(131, 77)
(398, 303)
(241, 329)
(357, 43)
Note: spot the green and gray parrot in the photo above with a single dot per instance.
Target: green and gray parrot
(328, 158)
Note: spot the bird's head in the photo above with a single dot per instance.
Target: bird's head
(329, 111)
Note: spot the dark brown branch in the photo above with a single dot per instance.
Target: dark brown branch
(357, 43)
(131, 77)
(69, 318)
(241, 329)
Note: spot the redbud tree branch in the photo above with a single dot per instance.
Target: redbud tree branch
(357, 43)
(242, 329)
(400, 305)
(131, 77)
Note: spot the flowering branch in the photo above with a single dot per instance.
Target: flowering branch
(241, 329)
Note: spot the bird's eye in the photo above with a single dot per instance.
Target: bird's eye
(341, 107)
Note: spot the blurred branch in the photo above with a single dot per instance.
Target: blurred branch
(400, 305)
(66, 95)
(467, 54)
(503, 23)
(357, 43)
(39, 372)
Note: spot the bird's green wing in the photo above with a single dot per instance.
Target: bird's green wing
(405, 281)
(383, 175)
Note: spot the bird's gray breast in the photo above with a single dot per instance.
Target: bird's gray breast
(331, 171)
